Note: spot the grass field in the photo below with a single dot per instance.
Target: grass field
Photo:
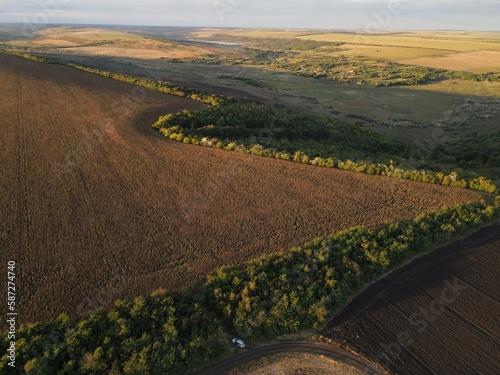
(71, 36)
(408, 113)
(97, 41)
(428, 103)
(475, 52)
(110, 209)
(295, 363)
(449, 42)
(139, 51)
(476, 61)
(388, 52)
(257, 33)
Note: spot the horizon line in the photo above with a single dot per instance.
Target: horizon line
(246, 27)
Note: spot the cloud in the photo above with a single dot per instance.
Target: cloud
(349, 14)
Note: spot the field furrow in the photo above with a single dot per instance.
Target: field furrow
(447, 319)
(474, 275)
(486, 261)
(469, 303)
(25, 261)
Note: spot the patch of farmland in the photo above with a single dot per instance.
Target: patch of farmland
(476, 61)
(97, 206)
(388, 52)
(448, 43)
(95, 41)
(431, 316)
(138, 53)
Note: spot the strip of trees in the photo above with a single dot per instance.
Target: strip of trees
(168, 333)
(245, 126)
(281, 133)
(254, 128)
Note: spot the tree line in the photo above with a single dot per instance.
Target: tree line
(245, 126)
(169, 333)
(281, 133)
(161, 86)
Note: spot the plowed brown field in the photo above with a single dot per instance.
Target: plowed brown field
(438, 315)
(96, 206)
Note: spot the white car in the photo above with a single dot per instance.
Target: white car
(239, 343)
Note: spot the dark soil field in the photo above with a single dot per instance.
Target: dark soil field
(437, 315)
(96, 206)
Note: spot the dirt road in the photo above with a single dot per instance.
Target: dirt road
(300, 346)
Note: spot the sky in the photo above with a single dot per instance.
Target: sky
(318, 14)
